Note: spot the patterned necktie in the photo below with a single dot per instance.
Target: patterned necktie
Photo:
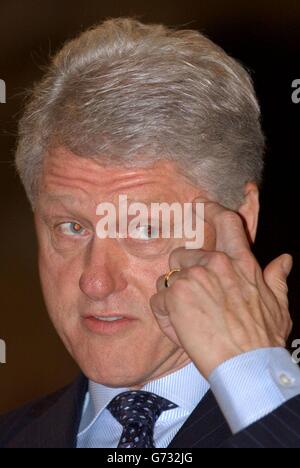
(137, 412)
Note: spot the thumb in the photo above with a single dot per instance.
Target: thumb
(276, 274)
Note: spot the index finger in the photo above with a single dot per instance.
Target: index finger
(228, 228)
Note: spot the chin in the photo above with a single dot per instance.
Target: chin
(117, 380)
(116, 364)
(113, 373)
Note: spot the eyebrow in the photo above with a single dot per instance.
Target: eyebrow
(73, 211)
(51, 201)
(148, 201)
(51, 198)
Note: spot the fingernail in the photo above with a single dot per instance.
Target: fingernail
(287, 264)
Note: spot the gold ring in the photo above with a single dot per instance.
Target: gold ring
(168, 276)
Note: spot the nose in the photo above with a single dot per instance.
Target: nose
(103, 272)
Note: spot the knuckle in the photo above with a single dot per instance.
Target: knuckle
(174, 257)
(251, 268)
(220, 260)
(282, 285)
(196, 272)
(178, 289)
(249, 258)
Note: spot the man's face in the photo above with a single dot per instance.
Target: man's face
(85, 278)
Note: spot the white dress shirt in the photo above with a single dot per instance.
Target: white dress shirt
(247, 388)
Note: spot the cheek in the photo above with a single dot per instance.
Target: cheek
(145, 276)
(59, 279)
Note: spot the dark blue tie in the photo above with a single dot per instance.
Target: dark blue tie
(138, 411)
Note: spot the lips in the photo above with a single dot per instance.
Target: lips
(107, 324)
(108, 319)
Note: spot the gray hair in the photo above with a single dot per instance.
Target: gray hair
(126, 92)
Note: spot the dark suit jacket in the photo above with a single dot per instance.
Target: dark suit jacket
(53, 422)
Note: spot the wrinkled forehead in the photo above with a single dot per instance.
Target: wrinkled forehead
(73, 177)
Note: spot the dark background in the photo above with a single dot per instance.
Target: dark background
(264, 35)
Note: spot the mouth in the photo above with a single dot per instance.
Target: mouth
(108, 319)
(107, 324)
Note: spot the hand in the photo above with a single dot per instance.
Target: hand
(221, 304)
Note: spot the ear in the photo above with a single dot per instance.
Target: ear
(249, 210)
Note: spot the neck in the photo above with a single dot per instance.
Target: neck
(171, 365)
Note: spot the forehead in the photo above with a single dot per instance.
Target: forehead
(72, 177)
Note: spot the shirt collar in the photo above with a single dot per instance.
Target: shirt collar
(185, 387)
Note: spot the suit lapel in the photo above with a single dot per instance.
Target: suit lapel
(205, 428)
(54, 424)
(55, 421)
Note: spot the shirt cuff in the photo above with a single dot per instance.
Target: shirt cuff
(252, 385)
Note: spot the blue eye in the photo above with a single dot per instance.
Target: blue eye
(71, 229)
